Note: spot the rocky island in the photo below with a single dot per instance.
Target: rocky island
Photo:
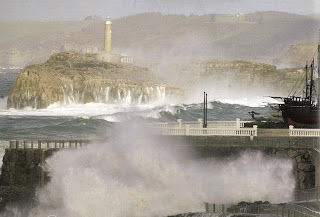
(69, 77)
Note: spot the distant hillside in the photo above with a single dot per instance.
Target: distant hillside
(316, 16)
(297, 55)
(26, 42)
(260, 36)
(270, 38)
(239, 75)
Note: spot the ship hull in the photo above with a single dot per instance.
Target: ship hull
(300, 115)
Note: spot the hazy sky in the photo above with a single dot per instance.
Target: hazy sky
(78, 9)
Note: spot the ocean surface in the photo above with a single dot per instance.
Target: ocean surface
(82, 121)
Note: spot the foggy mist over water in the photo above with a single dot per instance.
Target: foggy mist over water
(134, 174)
(78, 9)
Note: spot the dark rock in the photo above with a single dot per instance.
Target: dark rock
(304, 166)
(298, 159)
(292, 153)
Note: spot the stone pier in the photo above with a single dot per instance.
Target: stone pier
(22, 168)
(23, 161)
(316, 159)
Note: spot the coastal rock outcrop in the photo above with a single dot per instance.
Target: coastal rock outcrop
(81, 78)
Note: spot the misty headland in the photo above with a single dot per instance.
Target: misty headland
(261, 36)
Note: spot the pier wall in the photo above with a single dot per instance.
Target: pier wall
(21, 174)
(22, 170)
(22, 161)
(299, 150)
(316, 158)
(22, 167)
(303, 163)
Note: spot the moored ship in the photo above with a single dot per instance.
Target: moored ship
(304, 110)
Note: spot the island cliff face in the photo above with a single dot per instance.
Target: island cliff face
(82, 78)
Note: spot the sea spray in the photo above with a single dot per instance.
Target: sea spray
(3, 146)
(135, 174)
(227, 91)
(134, 95)
(3, 103)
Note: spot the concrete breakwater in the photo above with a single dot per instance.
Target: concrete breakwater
(22, 169)
(304, 157)
(21, 174)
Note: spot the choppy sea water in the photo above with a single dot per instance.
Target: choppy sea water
(75, 121)
(137, 176)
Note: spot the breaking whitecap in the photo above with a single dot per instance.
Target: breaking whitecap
(122, 95)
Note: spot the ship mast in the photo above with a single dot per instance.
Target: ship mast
(311, 81)
(307, 80)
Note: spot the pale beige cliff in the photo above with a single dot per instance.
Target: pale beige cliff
(81, 78)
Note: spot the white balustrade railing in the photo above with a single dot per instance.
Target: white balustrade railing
(296, 132)
(160, 125)
(23, 144)
(175, 131)
(222, 132)
(210, 124)
(191, 131)
(263, 209)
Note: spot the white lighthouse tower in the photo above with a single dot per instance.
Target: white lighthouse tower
(107, 54)
(108, 36)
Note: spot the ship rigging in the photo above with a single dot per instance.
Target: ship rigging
(304, 110)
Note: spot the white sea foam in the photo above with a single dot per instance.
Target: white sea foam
(134, 174)
(3, 103)
(229, 91)
(11, 68)
(251, 102)
(3, 146)
(89, 109)
(108, 112)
